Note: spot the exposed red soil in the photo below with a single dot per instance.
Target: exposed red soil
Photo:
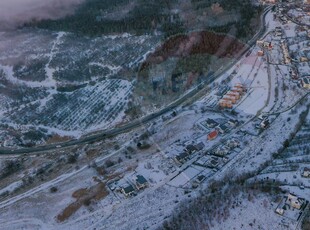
(203, 42)
(83, 197)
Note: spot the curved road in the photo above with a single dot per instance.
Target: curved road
(139, 122)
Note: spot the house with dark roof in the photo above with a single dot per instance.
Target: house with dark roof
(128, 190)
(141, 182)
(200, 178)
(190, 149)
(233, 123)
(199, 146)
(213, 163)
(222, 128)
(211, 123)
(181, 158)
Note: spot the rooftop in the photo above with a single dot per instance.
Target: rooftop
(128, 189)
(213, 134)
(141, 180)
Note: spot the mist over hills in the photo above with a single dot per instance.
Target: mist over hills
(14, 13)
(97, 17)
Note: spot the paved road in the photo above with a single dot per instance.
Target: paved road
(144, 120)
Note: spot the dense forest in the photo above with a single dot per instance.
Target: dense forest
(95, 17)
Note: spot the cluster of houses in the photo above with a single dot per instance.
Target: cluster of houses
(187, 152)
(129, 189)
(286, 55)
(292, 202)
(140, 183)
(281, 16)
(219, 128)
(232, 96)
(207, 161)
(278, 31)
(213, 158)
(303, 54)
(224, 150)
(293, 73)
(263, 44)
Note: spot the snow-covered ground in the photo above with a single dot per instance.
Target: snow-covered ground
(257, 213)
(270, 89)
(253, 73)
(58, 84)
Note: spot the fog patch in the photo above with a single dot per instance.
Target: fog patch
(14, 13)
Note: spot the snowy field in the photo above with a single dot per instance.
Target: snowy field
(270, 89)
(257, 213)
(60, 84)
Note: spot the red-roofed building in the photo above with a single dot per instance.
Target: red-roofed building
(212, 135)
